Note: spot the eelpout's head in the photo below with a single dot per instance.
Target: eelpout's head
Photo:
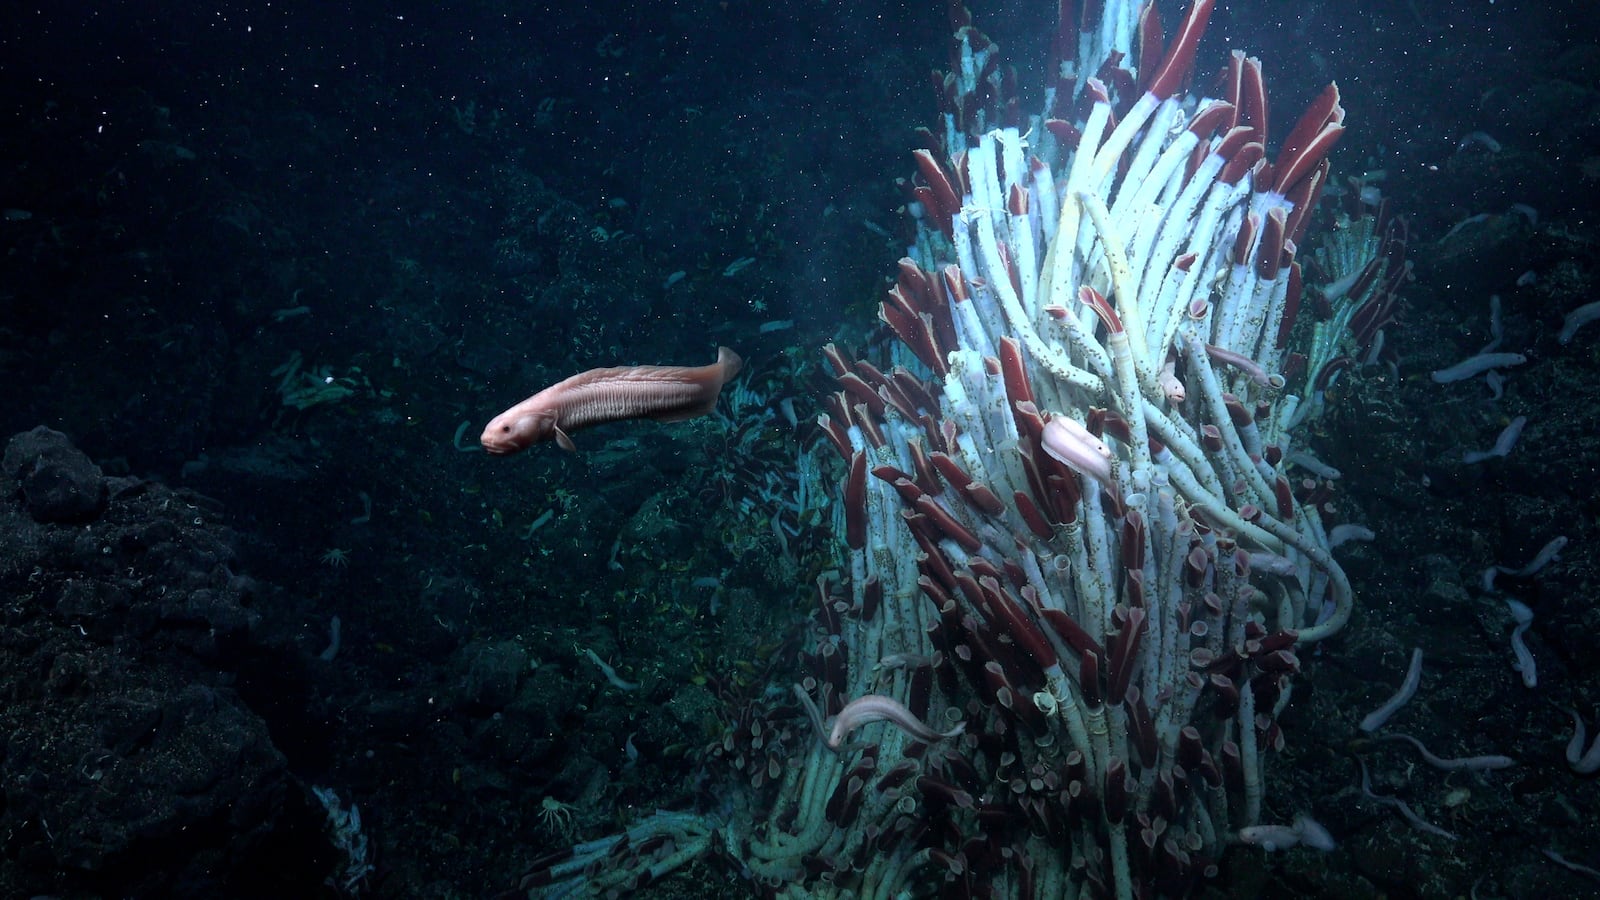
(516, 430)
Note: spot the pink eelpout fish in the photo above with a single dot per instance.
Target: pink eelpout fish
(663, 393)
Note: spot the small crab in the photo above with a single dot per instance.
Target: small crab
(336, 558)
(555, 816)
